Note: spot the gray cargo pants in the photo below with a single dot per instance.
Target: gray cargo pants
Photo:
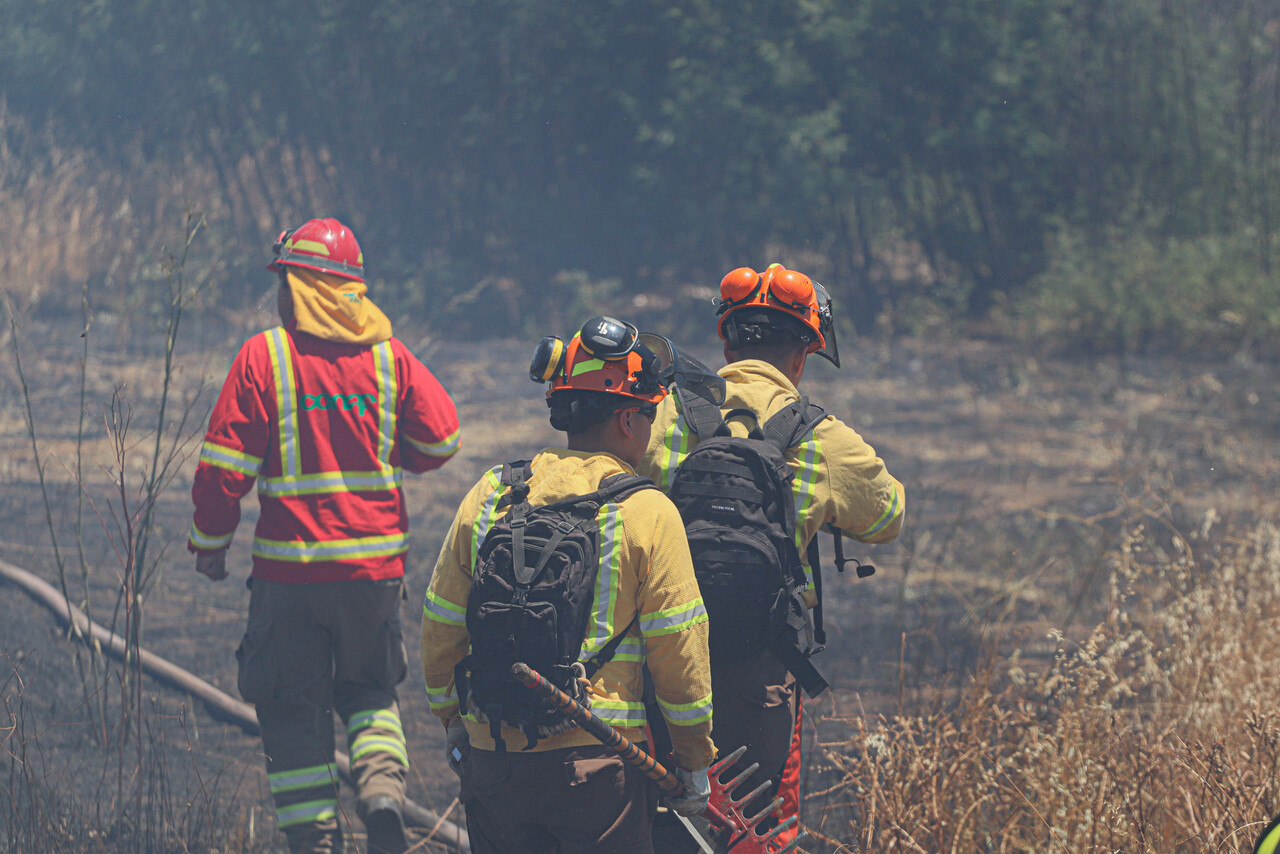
(310, 650)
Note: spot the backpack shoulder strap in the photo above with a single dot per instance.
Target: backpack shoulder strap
(615, 487)
(515, 476)
(619, 487)
(702, 416)
(788, 427)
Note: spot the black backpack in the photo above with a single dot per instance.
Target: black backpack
(531, 599)
(735, 497)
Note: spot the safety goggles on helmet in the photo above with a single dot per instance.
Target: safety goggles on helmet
(606, 355)
(787, 291)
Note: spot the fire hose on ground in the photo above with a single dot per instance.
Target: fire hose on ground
(221, 706)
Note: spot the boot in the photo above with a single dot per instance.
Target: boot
(385, 826)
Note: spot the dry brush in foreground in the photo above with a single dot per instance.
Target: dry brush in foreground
(1157, 732)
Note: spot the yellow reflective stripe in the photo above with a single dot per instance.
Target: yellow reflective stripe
(307, 812)
(201, 540)
(371, 742)
(619, 713)
(444, 611)
(308, 246)
(608, 580)
(587, 367)
(381, 718)
(332, 482)
(303, 778)
(286, 399)
(444, 448)
(384, 368)
(804, 489)
(675, 447)
(441, 696)
(227, 458)
(687, 714)
(891, 512)
(671, 620)
(488, 513)
(301, 551)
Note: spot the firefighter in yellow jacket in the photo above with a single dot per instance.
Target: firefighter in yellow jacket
(770, 324)
(529, 785)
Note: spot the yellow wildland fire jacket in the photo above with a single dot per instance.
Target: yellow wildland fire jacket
(838, 477)
(646, 576)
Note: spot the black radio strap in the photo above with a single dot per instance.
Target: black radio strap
(800, 666)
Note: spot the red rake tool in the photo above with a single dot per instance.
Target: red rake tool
(734, 831)
(745, 837)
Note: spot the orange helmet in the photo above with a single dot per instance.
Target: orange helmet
(325, 245)
(607, 356)
(748, 297)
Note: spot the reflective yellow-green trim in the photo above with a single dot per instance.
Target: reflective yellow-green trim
(384, 365)
(201, 540)
(230, 459)
(446, 447)
(687, 714)
(286, 399)
(317, 776)
(669, 621)
(307, 812)
(330, 482)
(301, 551)
(444, 611)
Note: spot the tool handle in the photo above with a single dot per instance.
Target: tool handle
(607, 735)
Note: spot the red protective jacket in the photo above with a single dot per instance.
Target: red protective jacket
(325, 428)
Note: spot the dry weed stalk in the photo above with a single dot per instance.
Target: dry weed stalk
(1155, 733)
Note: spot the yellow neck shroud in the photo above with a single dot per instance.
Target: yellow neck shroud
(336, 309)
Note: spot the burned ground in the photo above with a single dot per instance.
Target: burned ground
(1019, 471)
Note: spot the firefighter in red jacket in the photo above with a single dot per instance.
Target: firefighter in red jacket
(324, 412)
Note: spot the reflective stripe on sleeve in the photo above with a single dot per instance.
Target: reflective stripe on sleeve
(301, 551)
(619, 713)
(891, 512)
(232, 460)
(441, 697)
(687, 714)
(447, 447)
(444, 611)
(201, 540)
(384, 368)
(332, 482)
(286, 399)
(303, 778)
(672, 620)
(307, 812)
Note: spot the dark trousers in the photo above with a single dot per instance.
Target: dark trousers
(579, 800)
(310, 650)
(755, 705)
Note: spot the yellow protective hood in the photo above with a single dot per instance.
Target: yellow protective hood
(336, 309)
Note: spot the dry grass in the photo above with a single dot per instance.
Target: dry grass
(1156, 732)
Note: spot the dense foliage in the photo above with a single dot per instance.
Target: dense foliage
(905, 151)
